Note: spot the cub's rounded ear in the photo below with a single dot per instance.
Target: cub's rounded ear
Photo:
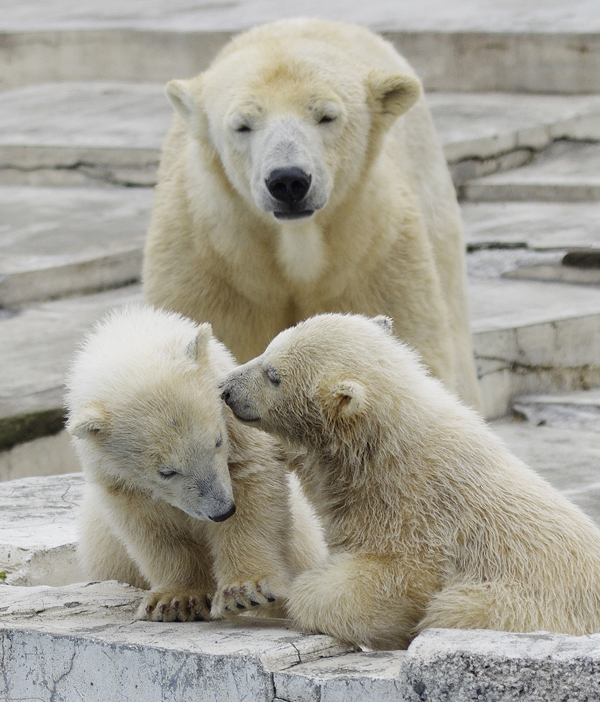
(392, 94)
(384, 322)
(198, 348)
(345, 398)
(183, 95)
(88, 421)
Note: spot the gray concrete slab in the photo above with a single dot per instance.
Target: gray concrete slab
(37, 540)
(484, 125)
(533, 337)
(501, 44)
(55, 242)
(566, 454)
(36, 346)
(465, 15)
(535, 225)
(47, 455)
(556, 272)
(73, 133)
(580, 410)
(566, 172)
(561, 61)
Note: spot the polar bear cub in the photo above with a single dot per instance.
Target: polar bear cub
(430, 521)
(180, 497)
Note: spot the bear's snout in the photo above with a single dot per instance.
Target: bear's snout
(288, 185)
(224, 516)
(237, 402)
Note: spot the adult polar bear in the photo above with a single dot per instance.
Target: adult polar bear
(303, 175)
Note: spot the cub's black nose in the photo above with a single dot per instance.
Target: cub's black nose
(224, 516)
(288, 185)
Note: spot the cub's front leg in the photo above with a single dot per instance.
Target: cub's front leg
(169, 549)
(362, 599)
(251, 549)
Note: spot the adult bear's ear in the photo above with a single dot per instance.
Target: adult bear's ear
(88, 421)
(392, 94)
(345, 399)
(184, 96)
(198, 348)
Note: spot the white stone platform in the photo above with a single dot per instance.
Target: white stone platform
(80, 642)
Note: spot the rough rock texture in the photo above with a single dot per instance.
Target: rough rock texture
(445, 665)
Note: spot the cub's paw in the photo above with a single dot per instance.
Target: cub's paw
(175, 606)
(250, 595)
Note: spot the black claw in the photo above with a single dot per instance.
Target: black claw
(240, 606)
(271, 599)
(253, 603)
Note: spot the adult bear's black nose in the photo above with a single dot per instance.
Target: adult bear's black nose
(289, 185)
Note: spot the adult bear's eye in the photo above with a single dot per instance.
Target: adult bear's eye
(167, 473)
(273, 376)
(325, 119)
(243, 128)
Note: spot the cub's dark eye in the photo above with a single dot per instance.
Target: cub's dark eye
(243, 128)
(325, 119)
(167, 473)
(273, 376)
(219, 441)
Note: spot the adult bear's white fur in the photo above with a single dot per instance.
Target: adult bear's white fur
(162, 456)
(340, 105)
(430, 521)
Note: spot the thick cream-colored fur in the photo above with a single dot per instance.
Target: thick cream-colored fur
(162, 455)
(385, 236)
(430, 520)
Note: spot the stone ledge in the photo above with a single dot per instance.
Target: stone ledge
(560, 61)
(81, 641)
(447, 665)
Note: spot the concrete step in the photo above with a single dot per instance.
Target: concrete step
(578, 410)
(529, 240)
(540, 226)
(505, 46)
(60, 241)
(533, 337)
(487, 132)
(111, 133)
(565, 172)
(82, 133)
(36, 346)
